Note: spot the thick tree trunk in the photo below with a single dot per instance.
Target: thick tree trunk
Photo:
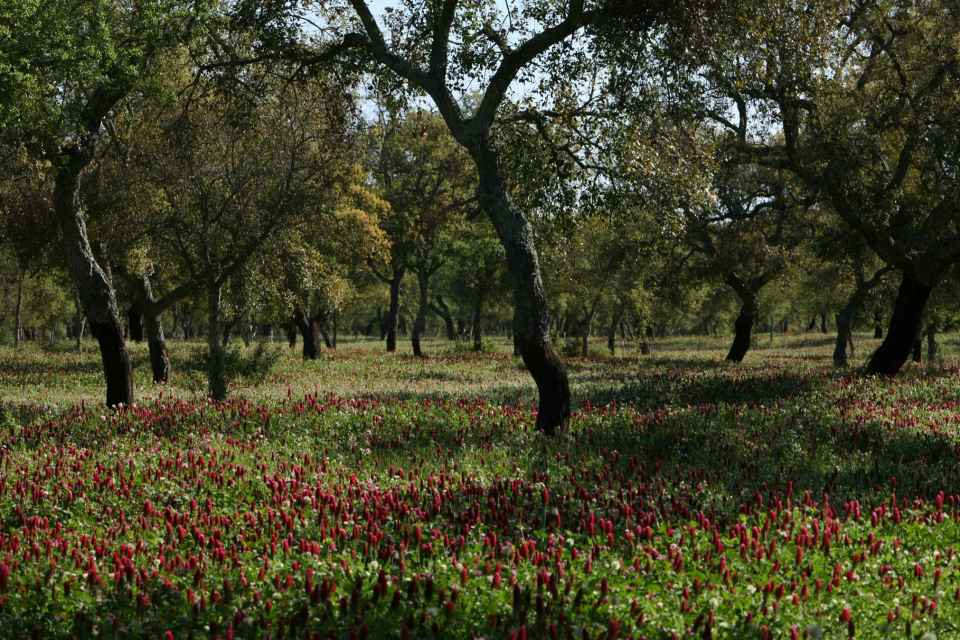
(516, 344)
(216, 376)
(393, 315)
(135, 320)
(844, 336)
(18, 321)
(420, 323)
(823, 323)
(533, 326)
(907, 312)
(311, 329)
(94, 287)
(749, 309)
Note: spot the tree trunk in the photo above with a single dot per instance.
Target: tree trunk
(18, 322)
(291, 329)
(393, 315)
(477, 330)
(844, 336)
(135, 320)
(749, 309)
(932, 343)
(442, 310)
(907, 312)
(612, 337)
(336, 327)
(79, 323)
(311, 329)
(823, 323)
(516, 344)
(533, 327)
(420, 323)
(95, 289)
(743, 327)
(877, 325)
(216, 375)
(159, 360)
(918, 344)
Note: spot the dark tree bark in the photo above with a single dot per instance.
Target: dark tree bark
(932, 347)
(749, 308)
(442, 310)
(151, 311)
(93, 286)
(291, 329)
(877, 324)
(907, 312)
(392, 324)
(420, 323)
(823, 323)
(585, 325)
(311, 329)
(516, 345)
(845, 317)
(918, 344)
(533, 326)
(135, 321)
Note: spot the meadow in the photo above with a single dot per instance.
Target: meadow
(373, 495)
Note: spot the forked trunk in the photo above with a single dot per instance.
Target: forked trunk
(907, 313)
(442, 310)
(311, 329)
(93, 286)
(533, 325)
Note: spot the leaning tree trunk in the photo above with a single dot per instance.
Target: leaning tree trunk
(157, 342)
(743, 327)
(420, 323)
(907, 313)
(393, 315)
(216, 375)
(533, 327)
(94, 287)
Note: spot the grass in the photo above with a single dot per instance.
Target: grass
(382, 496)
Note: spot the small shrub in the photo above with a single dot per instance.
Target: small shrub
(253, 368)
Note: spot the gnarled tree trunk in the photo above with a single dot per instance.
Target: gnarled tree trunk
(311, 329)
(908, 310)
(93, 286)
(533, 322)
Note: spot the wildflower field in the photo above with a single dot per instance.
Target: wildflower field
(367, 495)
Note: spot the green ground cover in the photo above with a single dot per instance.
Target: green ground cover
(368, 495)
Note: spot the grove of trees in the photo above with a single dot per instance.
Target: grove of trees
(552, 172)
